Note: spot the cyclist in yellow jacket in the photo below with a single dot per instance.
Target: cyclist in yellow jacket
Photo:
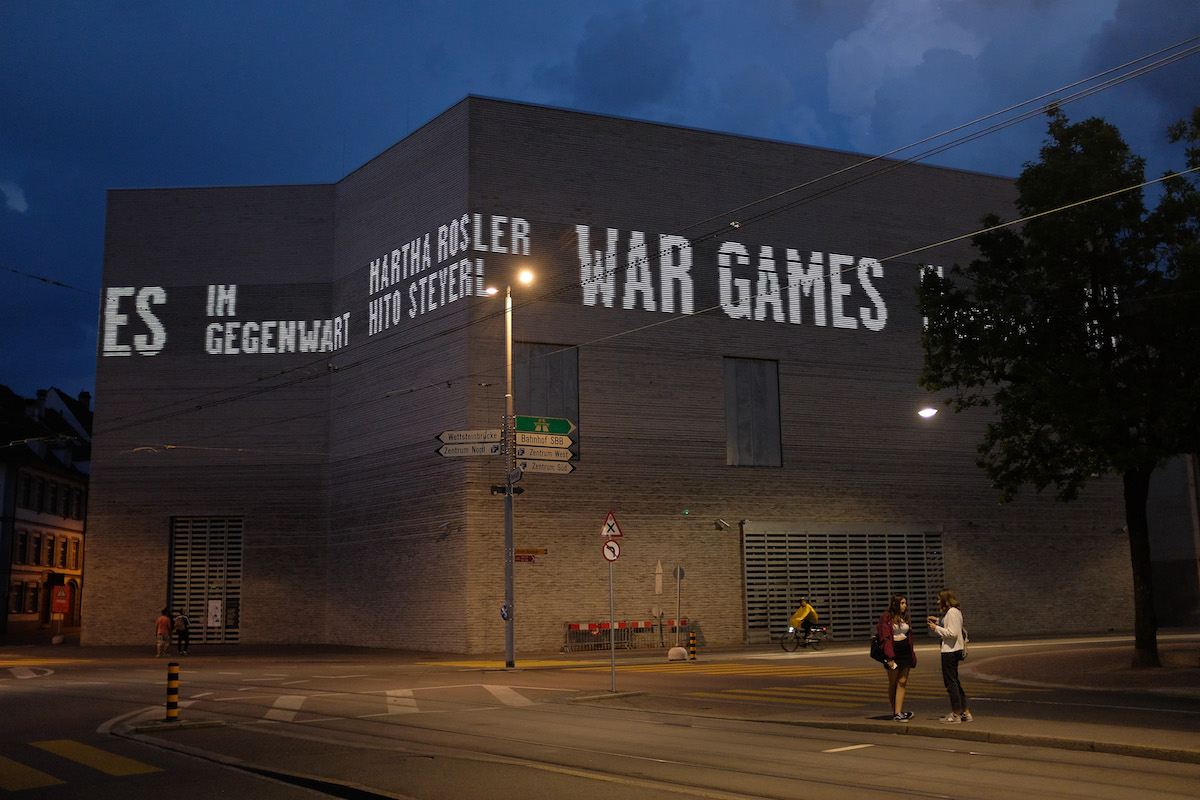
(804, 617)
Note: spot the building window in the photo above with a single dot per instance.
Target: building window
(52, 498)
(74, 554)
(81, 504)
(32, 595)
(25, 493)
(21, 548)
(35, 550)
(62, 553)
(546, 382)
(752, 431)
(39, 495)
(48, 557)
(14, 597)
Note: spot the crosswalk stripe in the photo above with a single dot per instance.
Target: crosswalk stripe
(285, 707)
(15, 776)
(106, 762)
(401, 701)
(508, 695)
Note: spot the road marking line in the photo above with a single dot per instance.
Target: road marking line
(508, 696)
(401, 701)
(106, 762)
(15, 776)
(339, 677)
(285, 707)
(845, 749)
(732, 696)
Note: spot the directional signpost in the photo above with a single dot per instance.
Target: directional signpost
(554, 467)
(557, 425)
(543, 444)
(475, 436)
(545, 453)
(470, 449)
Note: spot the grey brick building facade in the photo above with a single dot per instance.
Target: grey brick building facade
(276, 364)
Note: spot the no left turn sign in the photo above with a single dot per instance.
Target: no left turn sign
(611, 550)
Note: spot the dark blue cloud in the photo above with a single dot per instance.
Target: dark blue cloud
(631, 59)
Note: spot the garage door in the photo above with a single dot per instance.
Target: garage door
(848, 574)
(206, 575)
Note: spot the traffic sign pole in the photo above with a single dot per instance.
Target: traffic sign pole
(612, 622)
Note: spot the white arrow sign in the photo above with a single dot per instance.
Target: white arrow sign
(545, 453)
(469, 450)
(557, 467)
(476, 436)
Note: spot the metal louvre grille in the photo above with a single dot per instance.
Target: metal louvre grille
(848, 575)
(206, 575)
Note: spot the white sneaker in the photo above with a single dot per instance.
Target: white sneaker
(966, 716)
(951, 719)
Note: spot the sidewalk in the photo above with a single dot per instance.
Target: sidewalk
(1114, 723)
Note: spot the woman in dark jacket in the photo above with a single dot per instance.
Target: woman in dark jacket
(895, 634)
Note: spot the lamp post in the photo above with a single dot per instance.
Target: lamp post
(510, 468)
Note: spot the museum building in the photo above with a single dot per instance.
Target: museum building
(299, 389)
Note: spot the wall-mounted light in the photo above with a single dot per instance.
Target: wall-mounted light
(927, 412)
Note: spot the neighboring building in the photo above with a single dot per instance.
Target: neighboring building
(45, 449)
(731, 323)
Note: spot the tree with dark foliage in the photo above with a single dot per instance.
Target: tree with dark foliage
(1080, 328)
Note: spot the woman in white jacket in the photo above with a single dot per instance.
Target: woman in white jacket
(949, 626)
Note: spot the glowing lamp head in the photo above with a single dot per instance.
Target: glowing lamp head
(492, 290)
(525, 276)
(927, 412)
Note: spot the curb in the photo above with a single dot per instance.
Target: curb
(1180, 755)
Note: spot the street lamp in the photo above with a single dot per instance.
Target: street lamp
(510, 469)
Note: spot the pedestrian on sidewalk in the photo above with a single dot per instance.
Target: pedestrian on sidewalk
(162, 633)
(949, 626)
(894, 629)
(183, 636)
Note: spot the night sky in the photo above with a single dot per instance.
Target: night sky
(99, 95)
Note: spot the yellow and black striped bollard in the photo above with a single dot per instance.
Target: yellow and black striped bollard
(692, 645)
(172, 692)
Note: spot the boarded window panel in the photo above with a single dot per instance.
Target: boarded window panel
(546, 382)
(752, 431)
(206, 566)
(848, 575)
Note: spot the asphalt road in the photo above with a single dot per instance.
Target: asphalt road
(370, 723)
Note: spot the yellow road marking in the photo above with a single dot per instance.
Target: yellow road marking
(39, 662)
(15, 776)
(106, 762)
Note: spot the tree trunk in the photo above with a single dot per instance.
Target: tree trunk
(1145, 624)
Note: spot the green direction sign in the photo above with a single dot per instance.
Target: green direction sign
(557, 425)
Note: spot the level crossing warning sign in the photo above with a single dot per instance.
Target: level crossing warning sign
(610, 529)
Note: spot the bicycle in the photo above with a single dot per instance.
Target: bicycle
(817, 638)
